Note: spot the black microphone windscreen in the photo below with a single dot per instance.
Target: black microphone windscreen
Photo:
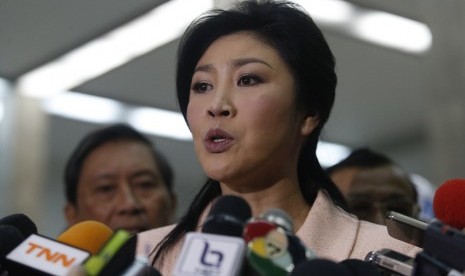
(22, 222)
(359, 267)
(10, 237)
(148, 271)
(321, 267)
(297, 249)
(227, 216)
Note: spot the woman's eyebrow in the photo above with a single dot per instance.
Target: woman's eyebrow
(243, 61)
(203, 68)
(235, 63)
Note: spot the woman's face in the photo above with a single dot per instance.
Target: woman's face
(242, 113)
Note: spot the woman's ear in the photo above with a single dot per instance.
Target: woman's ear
(309, 123)
(71, 213)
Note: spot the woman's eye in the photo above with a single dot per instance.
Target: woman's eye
(201, 87)
(248, 80)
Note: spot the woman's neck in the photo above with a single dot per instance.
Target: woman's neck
(284, 195)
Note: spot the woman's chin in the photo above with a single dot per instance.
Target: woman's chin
(220, 175)
(218, 171)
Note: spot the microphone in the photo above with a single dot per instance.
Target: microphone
(272, 247)
(405, 228)
(227, 216)
(279, 218)
(219, 249)
(445, 244)
(298, 250)
(427, 265)
(324, 267)
(14, 229)
(321, 267)
(10, 237)
(449, 203)
(118, 257)
(359, 267)
(113, 253)
(141, 267)
(39, 255)
(391, 262)
(87, 235)
(114, 257)
(21, 222)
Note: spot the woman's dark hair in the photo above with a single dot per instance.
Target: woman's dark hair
(102, 136)
(300, 43)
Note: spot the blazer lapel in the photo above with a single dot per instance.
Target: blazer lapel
(328, 230)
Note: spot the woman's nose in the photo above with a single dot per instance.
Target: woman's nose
(221, 105)
(219, 112)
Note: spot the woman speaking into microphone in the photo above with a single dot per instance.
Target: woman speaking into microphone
(256, 85)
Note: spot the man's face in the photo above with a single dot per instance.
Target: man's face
(120, 185)
(343, 179)
(375, 191)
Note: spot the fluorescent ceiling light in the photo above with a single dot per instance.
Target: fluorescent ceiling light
(99, 110)
(154, 29)
(3, 92)
(329, 153)
(394, 31)
(160, 122)
(2, 110)
(84, 107)
(377, 27)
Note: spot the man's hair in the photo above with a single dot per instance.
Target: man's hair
(365, 158)
(362, 158)
(102, 136)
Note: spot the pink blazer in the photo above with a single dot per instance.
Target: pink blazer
(328, 230)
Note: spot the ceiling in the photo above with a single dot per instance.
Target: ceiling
(377, 96)
(372, 79)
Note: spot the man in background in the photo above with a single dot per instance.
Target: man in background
(117, 177)
(373, 184)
